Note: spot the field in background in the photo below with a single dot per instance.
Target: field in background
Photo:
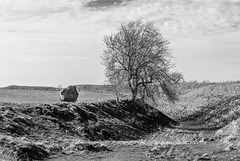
(192, 95)
(39, 96)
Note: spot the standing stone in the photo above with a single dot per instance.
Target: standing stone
(69, 94)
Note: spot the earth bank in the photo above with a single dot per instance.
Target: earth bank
(39, 131)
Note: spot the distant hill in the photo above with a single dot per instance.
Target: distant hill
(182, 88)
(95, 88)
(81, 87)
(41, 88)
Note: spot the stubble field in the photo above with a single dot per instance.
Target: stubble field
(38, 96)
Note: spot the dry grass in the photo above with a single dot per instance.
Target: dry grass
(193, 97)
(214, 104)
(28, 96)
(38, 96)
(7, 155)
(197, 96)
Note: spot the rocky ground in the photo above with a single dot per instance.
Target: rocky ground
(206, 127)
(39, 131)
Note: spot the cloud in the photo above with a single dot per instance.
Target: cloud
(104, 4)
(196, 16)
(205, 17)
(54, 31)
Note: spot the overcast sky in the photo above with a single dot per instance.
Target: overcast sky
(59, 42)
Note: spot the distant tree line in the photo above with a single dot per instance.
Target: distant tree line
(41, 88)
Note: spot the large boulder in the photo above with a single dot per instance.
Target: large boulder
(69, 94)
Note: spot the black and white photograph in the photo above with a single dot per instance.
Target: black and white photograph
(120, 80)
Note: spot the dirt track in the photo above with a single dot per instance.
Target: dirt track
(167, 145)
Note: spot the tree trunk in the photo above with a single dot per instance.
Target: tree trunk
(117, 94)
(143, 94)
(133, 88)
(134, 94)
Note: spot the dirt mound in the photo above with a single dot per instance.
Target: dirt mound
(30, 152)
(95, 121)
(21, 150)
(230, 135)
(58, 126)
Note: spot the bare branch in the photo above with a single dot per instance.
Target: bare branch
(138, 55)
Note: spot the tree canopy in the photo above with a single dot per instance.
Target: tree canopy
(138, 55)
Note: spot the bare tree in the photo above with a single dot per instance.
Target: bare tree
(138, 55)
(117, 83)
